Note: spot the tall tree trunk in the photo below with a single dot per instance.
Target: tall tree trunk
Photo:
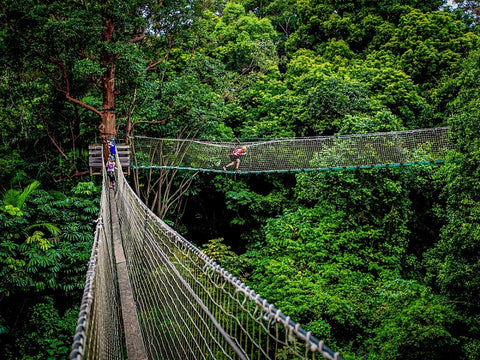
(108, 127)
(108, 107)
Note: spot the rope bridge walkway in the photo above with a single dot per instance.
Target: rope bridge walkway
(184, 305)
(388, 149)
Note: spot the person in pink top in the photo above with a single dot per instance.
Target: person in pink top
(111, 171)
(235, 158)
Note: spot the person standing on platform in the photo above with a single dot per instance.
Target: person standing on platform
(112, 146)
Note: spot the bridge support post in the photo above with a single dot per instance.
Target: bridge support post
(133, 335)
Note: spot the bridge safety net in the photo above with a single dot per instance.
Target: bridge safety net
(187, 305)
(297, 154)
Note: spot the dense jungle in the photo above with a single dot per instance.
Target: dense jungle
(380, 263)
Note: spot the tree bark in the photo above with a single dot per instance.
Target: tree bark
(108, 128)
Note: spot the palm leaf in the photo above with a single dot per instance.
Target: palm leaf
(55, 231)
(28, 190)
(11, 197)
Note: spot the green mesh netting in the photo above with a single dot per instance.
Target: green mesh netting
(295, 154)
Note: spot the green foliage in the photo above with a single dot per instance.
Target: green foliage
(222, 254)
(383, 121)
(45, 249)
(429, 45)
(337, 266)
(392, 88)
(249, 207)
(414, 323)
(282, 14)
(329, 101)
(267, 114)
(354, 22)
(453, 263)
(245, 43)
(47, 332)
(379, 263)
(17, 199)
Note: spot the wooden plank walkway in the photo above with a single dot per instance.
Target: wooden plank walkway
(133, 334)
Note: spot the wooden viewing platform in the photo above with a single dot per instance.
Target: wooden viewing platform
(95, 158)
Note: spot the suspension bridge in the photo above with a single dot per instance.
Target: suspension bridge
(151, 294)
(323, 153)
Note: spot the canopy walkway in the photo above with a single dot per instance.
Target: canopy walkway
(150, 294)
(386, 149)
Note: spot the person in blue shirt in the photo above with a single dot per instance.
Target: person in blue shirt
(112, 145)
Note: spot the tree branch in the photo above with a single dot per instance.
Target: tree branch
(128, 127)
(62, 68)
(45, 124)
(165, 57)
(66, 92)
(85, 56)
(75, 174)
(138, 38)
